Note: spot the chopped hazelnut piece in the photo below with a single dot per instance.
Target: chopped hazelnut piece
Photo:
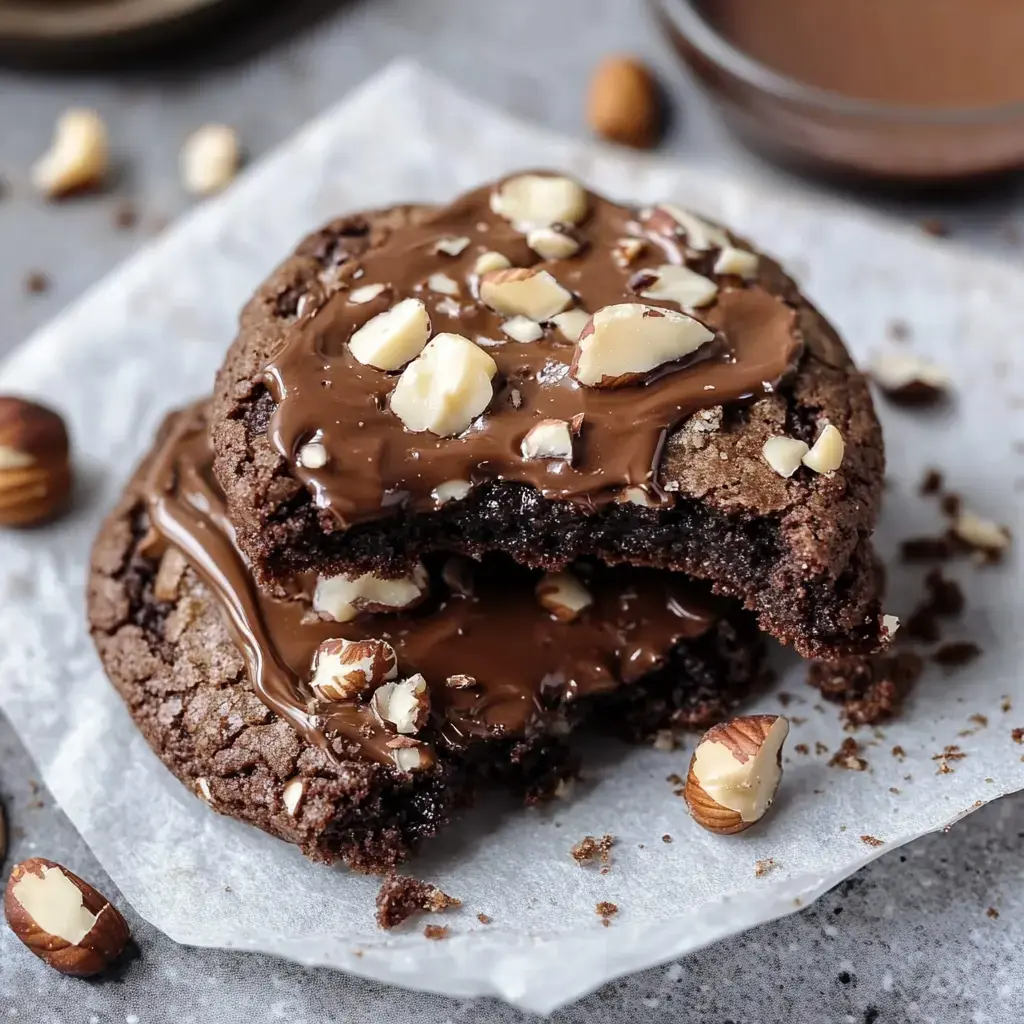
(910, 379)
(538, 201)
(735, 772)
(524, 292)
(451, 490)
(292, 795)
(342, 598)
(78, 155)
(367, 293)
(735, 261)
(445, 388)
(451, 246)
(984, 534)
(523, 329)
(345, 669)
(826, 454)
(313, 455)
(443, 284)
(562, 594)
(404, 705)
(571, 323)
(784, 454)
(624, 342)
(890, 626)
(391, 339)
(700, 235)
(488, 262)
(679, 284)
(210, 159)
(552, 244)
(548, 439)
(627, 251)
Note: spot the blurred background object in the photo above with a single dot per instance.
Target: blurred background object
(919, 90)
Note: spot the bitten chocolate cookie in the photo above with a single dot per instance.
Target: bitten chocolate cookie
(353, 719)
(535, 370)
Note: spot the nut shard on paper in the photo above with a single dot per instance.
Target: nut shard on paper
(448, 372)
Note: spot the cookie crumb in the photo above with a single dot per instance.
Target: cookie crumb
(848, 757)
(36, 282)
(934, 226)
(899, 753)
(126, 216)
(436, 931)
(401, 896)
(992, 912)
(950, 753)
(606, 911)
(589, 849)
(1017, 735)
(955, 655)
(926, 549)
(483, 918)
(871, 688)
(802, 748)
(932, 482)
(762, 867)
(666, 838)
(872, 841)
(899, 330)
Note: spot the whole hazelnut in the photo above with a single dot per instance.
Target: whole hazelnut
(35, 468)
(735, 772)
(63, 920)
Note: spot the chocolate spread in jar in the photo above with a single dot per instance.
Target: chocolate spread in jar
(529, 667)
(950, 54)
(921, 90)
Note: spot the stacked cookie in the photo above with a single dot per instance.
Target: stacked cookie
(470, 476)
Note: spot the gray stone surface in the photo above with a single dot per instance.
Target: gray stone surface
(910, 938)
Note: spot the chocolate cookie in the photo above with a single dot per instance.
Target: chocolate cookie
(536, 370)
(352, 728)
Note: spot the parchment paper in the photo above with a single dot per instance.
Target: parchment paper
(151, 336)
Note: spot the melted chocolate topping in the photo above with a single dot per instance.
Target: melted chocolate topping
(528, 665)
(376, 467)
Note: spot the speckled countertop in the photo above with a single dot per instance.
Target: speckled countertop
(932, 932)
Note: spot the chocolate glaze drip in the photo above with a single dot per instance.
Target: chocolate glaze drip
(376, 467)
(529, 667)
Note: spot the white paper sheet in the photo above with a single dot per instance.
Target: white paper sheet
(151, 336)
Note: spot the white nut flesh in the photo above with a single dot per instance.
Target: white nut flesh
(552, 244)
(538, 201)
(452, 246)
(209, 159)
(443, 284)
(55, 904)
(524, 292)
(571, 323)
(78, 156)
(367, 293)
(393, 338)
(740, 782)
(624, 342)
(784, 454)
(896, 371)
(342, 598)
(628, 250)
(345, 669)
(700, 235)
(890, 627)
(445, 388)
(313, 455)
(738, 262)
(680, 284)
(548, 439)
(826, 454)
(488, 262)
(404, 705)
(451, 490)
(563, 595)
(522, 329)
(981, 533)
(292, 795)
